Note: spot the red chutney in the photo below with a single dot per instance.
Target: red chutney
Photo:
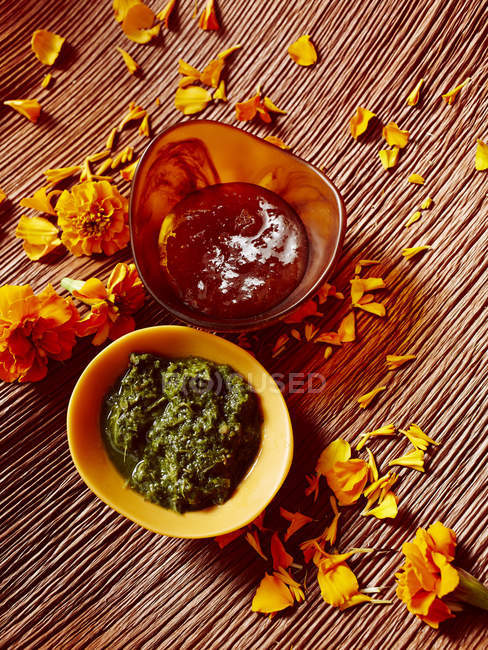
(233, 250)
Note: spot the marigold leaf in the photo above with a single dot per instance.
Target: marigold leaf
(302, 51)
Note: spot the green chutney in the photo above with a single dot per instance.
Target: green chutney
(183, 432)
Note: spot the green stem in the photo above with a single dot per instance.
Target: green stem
(471, 591)
(71, 285)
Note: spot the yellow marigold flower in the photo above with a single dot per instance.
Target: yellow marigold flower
(481, 159)
(394, 361)
(281, 558)
(297, 520)
(414, 459)
(29, 108)
(34, 329)
(46, 45)
(394, 136)
(132, 65)
(111, 307)
(416, 179)
(418, 438)
(451, 95)
(165, 13)
(271, 596)
(138, 23)
(386, 430)
(93, 218)
(413, 98)
(208, 19)
(302, 51)
(39, 236)
(192, 99)
(389, 157)
(366, 399)
(359, 121)
(415, 217)
(411, 252)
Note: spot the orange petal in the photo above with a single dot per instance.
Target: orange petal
(165, 13)
(29, 108)
(219, 94)
(211, 73)
(272, 595)
(413, 98)
(225, 53)
(347, 328)
(359, 122)
(307, 309)
(451, 95)
(138, 23)
(187, 70)
(297, 520)
(121, 7)
(394, 136)
(41, 201)
(223, 540)
(132, 66)
(247, 110)
(46, 45)
(208, 19)
(279, 553)
(192, 99)
(276, 141)
(269, 106)
(302, 51)
(40, 236)
(337, 450)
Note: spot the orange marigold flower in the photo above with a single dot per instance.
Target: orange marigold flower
(39, 236)
(297, 520)
(93, 218)
(138, 23)
(302, 51)
(46, 45)
(413, 98)
(29, 108)
(111, 307)
(359, 121)
(208, 19)
(34, 329)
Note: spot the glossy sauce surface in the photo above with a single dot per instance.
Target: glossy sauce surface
(233, 250)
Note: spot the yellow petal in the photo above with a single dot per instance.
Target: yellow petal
(347, 480)
(3, 196)
(46, 80)
(225, 53)
(389, 157)
(276, 141)
(416, 179)
(144, 128)
(418, 438)
(138, 23)
(411, 252)
(54, 176)
(187, 70)
(426, 203)
(451, 95)
(376, 308)
(208, 19)
(252, 538)
(46, 45)
(415, 217)
(302, 51)
(192, 99)
(272, 595)
(394, 136)
(121, 7)
(165, 13)
(394, 361)
(347, 328)
(40, 236)
(211, 73)
(366, 399)
(29, 108)
(414, 459)
(413, 98)
(338, 585)
(373, 469)
(481, 159)
(127, 173)
(337, 450)
(111, 139)
(386, 430)
(386, 509)
(132, 66)
(359, 122)
(268, 104)
(41, 201)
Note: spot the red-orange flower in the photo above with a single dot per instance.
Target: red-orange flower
(93, 218)
(34, 329)
(111, 307)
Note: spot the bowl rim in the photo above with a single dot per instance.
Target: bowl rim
(257, 321)
(118, 504)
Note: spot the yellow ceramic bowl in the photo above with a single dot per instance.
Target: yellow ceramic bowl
(88, 452)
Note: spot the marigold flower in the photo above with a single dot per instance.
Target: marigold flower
(414, 459)
(281, 558)
(411, 252)
(138, 23)
(208, 19)
(394, 136)
(302, 51)
(481, 158)
(34, 329)
(112, 307)
(366, 399)
(297, 520)
(416, 179)
(394, 361)
(192, 99)
(29, 108)
(450, 96)
(359, 121)
(389, 157)
(132, 65)
(93, 218)
(46, 45)
(413, 98)
(39, 236)
(165, 13)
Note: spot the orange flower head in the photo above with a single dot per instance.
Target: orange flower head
(34, 329)
(93, 218)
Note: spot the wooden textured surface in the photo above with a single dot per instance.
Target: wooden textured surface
(77, 575)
